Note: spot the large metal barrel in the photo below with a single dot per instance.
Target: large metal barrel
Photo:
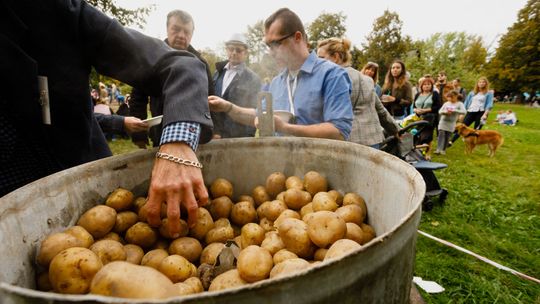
(380, 272)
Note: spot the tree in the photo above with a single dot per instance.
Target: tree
(385, 42)
(255, 41)
(123, 15)
(516, 64)
(326, 26)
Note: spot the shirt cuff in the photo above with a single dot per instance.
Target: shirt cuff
(187, 132)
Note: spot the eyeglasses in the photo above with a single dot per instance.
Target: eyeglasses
(276, 43)
(238, 49)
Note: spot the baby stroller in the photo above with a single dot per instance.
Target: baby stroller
(408, 150)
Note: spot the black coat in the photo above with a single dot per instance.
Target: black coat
(62, 40)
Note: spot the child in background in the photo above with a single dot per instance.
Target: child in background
(449, 113)
(501, 115)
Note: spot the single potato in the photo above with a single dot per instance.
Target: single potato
(314, 183)
(203, 224)
(153, 258)
(341, 248)
(272, 242)
(141, 234)
(54, 244)
(323, 201)
(226, 280)
(296, 199)
(351, 214)
(356, 199)
(251, 234)
(98, 220)
(325, 227)
(134, 254)
(187, 247)
(294, 234)
(275, 183)
(220, 207)
(288, 267)
(260, 195)
(177, 268)
(271, 209)
(254, 264)
(84, 236)
(337, 196)
(221, 187)
(220, 234)
(109, 251)
(243, 213)
(120, 199)
(283, 255)
(294, 182)
(210, 253)
(71, 271)
(124, 220)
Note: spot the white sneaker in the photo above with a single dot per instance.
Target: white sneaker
(437, 151)
(443, 152)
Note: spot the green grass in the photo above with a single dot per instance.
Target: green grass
(493, 209)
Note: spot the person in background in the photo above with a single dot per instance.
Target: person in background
(449, 113)
(456, 83)
(510, 119)
(371, 69)
(426, 105)
(180, 27)
(315, 91)
(479, 103)
(68, 38)
(237, 83)
(397, 90)
(443, 86)
(369, 113)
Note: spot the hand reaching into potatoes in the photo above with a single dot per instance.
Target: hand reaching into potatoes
(175, 184)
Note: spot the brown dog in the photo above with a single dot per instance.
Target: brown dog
(473, 137)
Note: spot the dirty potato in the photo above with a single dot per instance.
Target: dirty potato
(251, 234)
(351, 214)
(154, 257)
(275, 183)
(177, 268)
(286, 214)
(323, 201)
(141, 234)
(260, 195)
(120, 199)
(314, 183)
(296, 199)
(325, 227)
(188, 247)
(288, 266)
(84, 236)
(71, 271)
(134, 254)
(283, 255)
(203, 224)
(109, 251)
(294, 234)
(272, 242)
(221, 187)
(243, 213)
(164, 229)
(210, 253)
(220, 207)
(294, 182)
(356, 199)
(98, 220)
(226, 280)
(220, 234)
(124, 220)
(55, 243)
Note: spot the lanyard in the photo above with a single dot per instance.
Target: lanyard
(291, 91)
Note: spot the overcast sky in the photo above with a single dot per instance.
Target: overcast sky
(216, 21)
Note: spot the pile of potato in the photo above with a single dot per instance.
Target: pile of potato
(284, 226)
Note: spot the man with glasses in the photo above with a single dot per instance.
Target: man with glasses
(236, 83)
(180, 27)
(314, 90)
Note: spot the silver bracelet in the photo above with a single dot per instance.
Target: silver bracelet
(179, 160)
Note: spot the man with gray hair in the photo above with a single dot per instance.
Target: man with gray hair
(180, 27)
(236, 83)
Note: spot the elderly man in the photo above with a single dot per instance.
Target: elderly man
(180, 27)
(236, 83)
(315, 90)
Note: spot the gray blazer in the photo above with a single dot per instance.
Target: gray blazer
(369, 112)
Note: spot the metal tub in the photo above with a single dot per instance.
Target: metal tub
(380, 272)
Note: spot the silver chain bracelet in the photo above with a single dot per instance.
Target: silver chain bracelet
(179, 160)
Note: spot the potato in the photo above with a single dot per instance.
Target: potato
(210, 253)
(243, 213)
(98, 220)
(161, 244)
(220, 207)
(293, 233)
(296, 199)
(246, 198)
(288, 267)
(272, 242)
(323, 201)
(314, 183)
(113, 236)
(141, 234)
(195, 283)
(134, 254)
(260, 195)
(254, 264)
(125, 280)
(354, 232)
(283, 255)
(120, 199)
(325, 227)
(189, 248)
(351, 214)
(182, 289)
(226, 280)
(369, 233)
(266, 224)
(294, 182)
(71, 271)
(138, 203)
(124, 220)
(356, 199)
(220, 234)
(55, 243)
(221, 187)
(203, 224)
(340, 248)
(164, 229)
(280, 196)
(286, 214)
(251, 234)
(80, 233)
(337, 196)
(306, 209)
(43, 283)
(271, 209)
(177, 268)
(109, 251)
(222, 222)
(320, 254)
(275, 183)
(153, 258)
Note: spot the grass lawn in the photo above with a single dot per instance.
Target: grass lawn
(493, 209)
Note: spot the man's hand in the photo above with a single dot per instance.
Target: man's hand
(175, 184)
(134, 124)
(218, 104)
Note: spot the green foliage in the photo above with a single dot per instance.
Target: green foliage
(492, 210)
(385, 42)
(325, 26)
(516, 64)
(255, 41)
(124, 16)
(211, 58)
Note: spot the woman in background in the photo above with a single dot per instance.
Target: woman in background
(397, 91)
(371, 69)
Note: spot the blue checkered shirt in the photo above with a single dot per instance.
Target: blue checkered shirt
(187, 132)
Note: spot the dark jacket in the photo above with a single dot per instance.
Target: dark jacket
(139, 103)
(62, 40)
(242, 91)
(403, 100)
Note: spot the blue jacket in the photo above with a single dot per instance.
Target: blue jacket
(487, 106)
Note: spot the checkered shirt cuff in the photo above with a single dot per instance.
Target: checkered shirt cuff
(187, 132)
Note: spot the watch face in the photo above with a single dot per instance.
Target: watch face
(154, 121)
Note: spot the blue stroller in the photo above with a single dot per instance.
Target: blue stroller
(407, 149)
